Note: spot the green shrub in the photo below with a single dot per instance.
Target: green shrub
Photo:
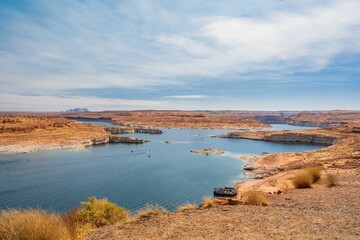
(32, 224)
(101, 212)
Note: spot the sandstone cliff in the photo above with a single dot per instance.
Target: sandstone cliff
(124, 130)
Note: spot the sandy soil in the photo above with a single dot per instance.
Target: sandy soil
(343, 154)
(27, 134)
(317, 213)
(208, 151)
(172, 119)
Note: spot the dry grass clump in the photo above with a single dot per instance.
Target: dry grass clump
(208, 202)
(71, 222)
(285, 186)
(78, 230)
(185, 207)
(149, 211)
(315, 172)
(331, 180)
(32, 224)
(253, 197)
(100, 212)
(306, 177)
(302, 180)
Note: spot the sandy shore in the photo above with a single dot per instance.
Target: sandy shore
(317, 213)
(208, 151)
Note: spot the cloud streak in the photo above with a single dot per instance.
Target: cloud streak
(281, 42)
(51, 48)
(187, 97)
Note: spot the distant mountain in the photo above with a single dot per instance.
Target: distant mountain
(78, 110)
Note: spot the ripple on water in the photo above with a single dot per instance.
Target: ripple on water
(61, 179)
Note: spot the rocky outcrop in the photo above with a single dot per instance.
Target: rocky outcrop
(272, 119)
(310, 123)
(148, 130)
(309, 119)
(122, 130)
(173, 119)
(208, 151)
(301, 138)
(98, 141)
(284, 137)
(129, 140)
(118, 130)
(260, 173)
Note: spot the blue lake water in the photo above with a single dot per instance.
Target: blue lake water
(130, 175)
(280, 127)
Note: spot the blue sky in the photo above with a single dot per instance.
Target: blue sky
(181, 54)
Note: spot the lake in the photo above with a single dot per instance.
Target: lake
(131, 175)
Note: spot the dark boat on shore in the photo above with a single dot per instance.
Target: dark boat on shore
(225, 192)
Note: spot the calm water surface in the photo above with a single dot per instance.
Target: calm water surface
(130, 175)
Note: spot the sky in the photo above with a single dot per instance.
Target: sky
(179, 54)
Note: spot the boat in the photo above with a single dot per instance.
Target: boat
(225, 192)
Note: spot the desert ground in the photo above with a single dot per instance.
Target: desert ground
(320, 211)
(315, 213)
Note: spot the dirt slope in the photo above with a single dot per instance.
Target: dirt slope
(326, 213)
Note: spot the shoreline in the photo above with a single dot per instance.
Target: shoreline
(270, 171)
(76, 146)
(109, 132)
(260, 167)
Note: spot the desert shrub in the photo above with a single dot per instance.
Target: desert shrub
(149, 211)
(101, 212)
(284, 186)
(315, 172)
(208, 202)
(72, 223)
(185, 207)
(253, 197)
(302, 180)
(331, 180)
(32, 224)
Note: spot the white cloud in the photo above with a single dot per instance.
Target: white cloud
(187, 97)
(282, 41)
(145, 44)
(189, 45)
(316, 35)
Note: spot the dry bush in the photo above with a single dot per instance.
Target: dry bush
(149, 211)
(77, 229)
(315, 172)
(208, 202)
(331, 180)
(302, 180)
(285, 186)
(101, 212)
(253, 197)
(71, 222)
(32, 224)
(185, 207)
